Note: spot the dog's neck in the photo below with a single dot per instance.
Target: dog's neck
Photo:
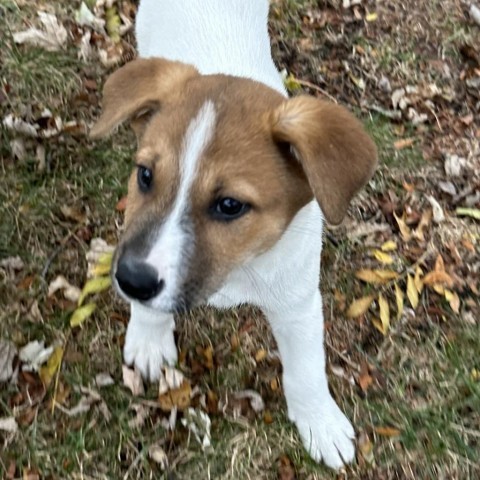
(216, 36)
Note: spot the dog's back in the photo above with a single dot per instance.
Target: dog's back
(216, 36)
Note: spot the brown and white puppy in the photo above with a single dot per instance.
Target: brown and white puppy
(227, 200)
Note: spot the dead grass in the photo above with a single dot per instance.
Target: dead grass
(422, 381)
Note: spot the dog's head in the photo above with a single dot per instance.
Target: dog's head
(223, 165)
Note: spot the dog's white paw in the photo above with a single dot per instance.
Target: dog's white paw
(327, 434)
(149, 349)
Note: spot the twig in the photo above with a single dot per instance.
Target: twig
(343, 356)
(51, 258)
(308, 84)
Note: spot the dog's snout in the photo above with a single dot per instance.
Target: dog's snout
(138, 279)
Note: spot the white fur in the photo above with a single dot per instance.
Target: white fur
(166, 253)
(217, 36)
(230, 36)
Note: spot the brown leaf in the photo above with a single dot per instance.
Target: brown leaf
(403, 143)
(438, 277)
(176, 397)
(286, 469)
(74, 214)
(388, 431)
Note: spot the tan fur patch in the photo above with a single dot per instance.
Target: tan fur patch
(249, 159)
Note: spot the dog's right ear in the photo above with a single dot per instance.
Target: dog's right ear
(136, 90)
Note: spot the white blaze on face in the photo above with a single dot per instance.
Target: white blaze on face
(167, 249)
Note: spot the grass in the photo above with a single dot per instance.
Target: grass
(423, 381)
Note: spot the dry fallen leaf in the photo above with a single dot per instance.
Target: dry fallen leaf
(383, 257)
(8, 424)
(360, 306)
(376, 276)
(199, 423)
(132, 379)
(388, 246)
(81, 314)
(412, 292)
(286, 469)
(70, 292)
(94, 285)
(178, 398)
(418, 280)
(388, 431)
(453, 299)
(53, 37)
(438, 277)
(255, 399)
(469, 212)
(403, 227)
(384, 313)
(158, 455)
(48, 371)
(34, 354)
(8, 352)
(365, 447)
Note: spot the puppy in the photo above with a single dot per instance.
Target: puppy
(231, 187)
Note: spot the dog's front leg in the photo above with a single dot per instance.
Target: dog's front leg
(326, 432)
(149, 342)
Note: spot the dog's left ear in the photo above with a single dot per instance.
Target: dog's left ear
(337, 155)
(137, 90)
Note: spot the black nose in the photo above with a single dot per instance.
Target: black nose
(138, 279)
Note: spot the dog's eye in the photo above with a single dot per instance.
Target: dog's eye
(144, 178)
(228, 208)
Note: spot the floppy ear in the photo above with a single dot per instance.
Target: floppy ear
(136, 90)
(337, 155)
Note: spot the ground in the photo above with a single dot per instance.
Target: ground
(403, 362)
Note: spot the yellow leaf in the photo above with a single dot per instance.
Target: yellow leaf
(418, 279)
(453, 300)
(469, 212)
(47, 372)
(376, 276)
(113, 23)
(360, 306)
(384, 313)
(383, 257)
(412, 292)
(371, 17)
(81, 314)
(378, 325)
(292, 84)
(389, 246)
(105, 259)
(94, 285)
(399, 296)
(403, 227)
(100, 270)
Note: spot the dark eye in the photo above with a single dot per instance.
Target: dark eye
(144, 178)
(228, 209)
